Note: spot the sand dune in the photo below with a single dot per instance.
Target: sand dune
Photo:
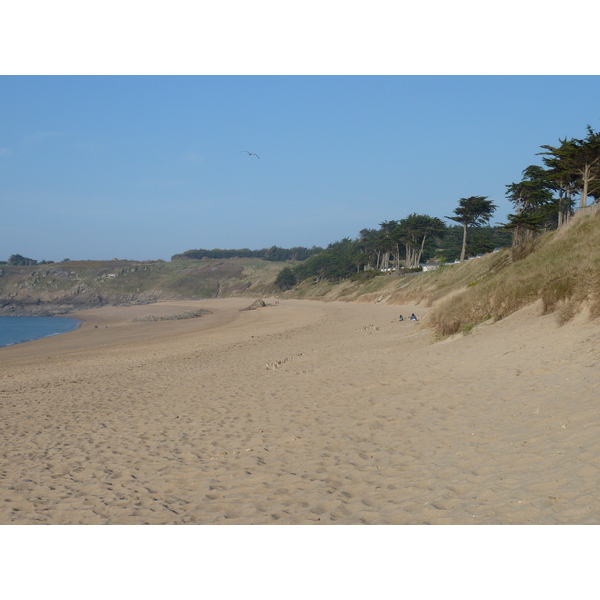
(300, 413)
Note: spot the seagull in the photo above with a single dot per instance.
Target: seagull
(250, 153)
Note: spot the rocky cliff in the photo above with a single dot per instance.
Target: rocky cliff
(57, 288)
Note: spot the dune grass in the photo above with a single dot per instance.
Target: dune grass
(560, 268)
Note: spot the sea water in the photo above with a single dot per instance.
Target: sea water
(15, 330)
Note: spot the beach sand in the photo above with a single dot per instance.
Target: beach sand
(301, 412)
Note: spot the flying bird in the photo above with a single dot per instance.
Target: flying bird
(250, 153)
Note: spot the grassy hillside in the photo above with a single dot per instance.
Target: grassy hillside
(55, 288)
(561, 268)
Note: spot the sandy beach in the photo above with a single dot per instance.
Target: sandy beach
(300, 412)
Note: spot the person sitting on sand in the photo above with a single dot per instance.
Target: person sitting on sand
(400, 318)
(413, 318)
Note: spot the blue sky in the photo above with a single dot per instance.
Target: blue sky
(143, 167)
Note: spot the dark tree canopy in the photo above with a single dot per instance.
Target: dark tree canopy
(576, 162)
(274, 253)
(481, 240)
(534, 201)
(472, 211)
(21, 261)
(286, 279)
(414, 231)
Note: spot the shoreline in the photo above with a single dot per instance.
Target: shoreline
(303, 412)
(79, 322)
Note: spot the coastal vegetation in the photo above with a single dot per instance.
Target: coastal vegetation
(559, 269)
(274, 253)
(546, 261)
(476, 210)
(398, 246)
(61, 287)
(547, 251)
(545, 198)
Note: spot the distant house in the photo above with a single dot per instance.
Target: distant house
(430, 266)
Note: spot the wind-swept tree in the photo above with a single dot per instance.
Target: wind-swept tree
(524, 225)
(580, 158)
(534, 191)
(475, 210)
(562, 180)
(387, 243)
(366, 244)
(587, 163)
(534, 202)
(481, 240)
(413, 231)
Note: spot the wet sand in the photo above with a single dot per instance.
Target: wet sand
(301, 412)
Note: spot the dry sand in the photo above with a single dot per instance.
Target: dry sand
(300, 413)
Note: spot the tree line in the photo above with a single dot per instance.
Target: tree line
(546, 196)
(402, 246)
(18, 260)
(544, 199)
(274, 253)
